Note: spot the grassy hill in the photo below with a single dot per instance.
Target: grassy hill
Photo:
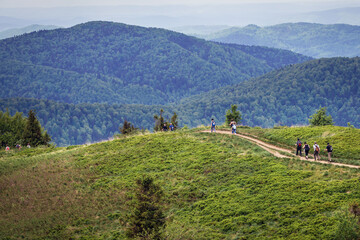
(310, 39)
(105, 62)
(215, 187)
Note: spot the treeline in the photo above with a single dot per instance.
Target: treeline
(18, 129)
(70, 124)
(115, 63)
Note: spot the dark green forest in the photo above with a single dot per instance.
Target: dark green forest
(311, 39)
(70, 124)
(286, 97)
(105, 62)
(283, 97)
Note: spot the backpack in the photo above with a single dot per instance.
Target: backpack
(317, 148)
(299, 144)
(213, 124)
(307, 148)
(331, 148)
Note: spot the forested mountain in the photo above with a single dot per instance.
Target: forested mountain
(316, 40)
(285, 97)
(120, 63)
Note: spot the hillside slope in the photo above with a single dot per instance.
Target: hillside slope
(159, 65)
(316, 40)
(288, 96)
(285, 97)
(214, 187)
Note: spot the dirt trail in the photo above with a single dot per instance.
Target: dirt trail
(275, 150)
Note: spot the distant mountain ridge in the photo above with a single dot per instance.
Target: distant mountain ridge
(310, 39)
(19, 31)
(120, 63)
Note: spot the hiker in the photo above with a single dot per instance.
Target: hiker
(7, 149)
(307, 149)
(298, 147)
(164, 128)
(28, 145)
(213, 124)
(171, 127)
(316, 151)
(233, 129)
(329, 150)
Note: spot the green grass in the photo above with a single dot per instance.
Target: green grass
(344, 140)
(216, 187)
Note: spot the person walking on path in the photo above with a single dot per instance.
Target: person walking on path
(307, 149)
(329, 150)
(298, 147)
(316, 151)
(213, 124)
(233, 126)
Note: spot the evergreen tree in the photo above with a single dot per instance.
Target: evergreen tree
(159, 121)
(33, 133)
(147, 218)
(127, 128)
(233, 114)
(320, 118)
(174, 120)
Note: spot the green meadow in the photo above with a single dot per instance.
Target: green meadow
(215, 187)
(344, 140)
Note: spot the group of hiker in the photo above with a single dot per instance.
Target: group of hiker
(299, 144)
(165, 127)
(306, 147)
(232, 125)
(18, 147)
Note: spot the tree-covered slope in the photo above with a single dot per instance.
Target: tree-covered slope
(72, 124)
(147, 61)
(286, 96)
(316, 40)
(213, 187)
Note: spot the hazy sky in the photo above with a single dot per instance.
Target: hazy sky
(63, 3)
(174, 13)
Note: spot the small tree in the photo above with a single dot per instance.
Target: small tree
(127, 128)
(174, 120)
(233, 114)
(147, 218)
(159, 121)
(320, 118)
(33, 133)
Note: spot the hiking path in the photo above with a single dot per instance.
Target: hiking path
(276, 151)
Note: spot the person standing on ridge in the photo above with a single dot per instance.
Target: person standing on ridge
(329, 150)
(298, 147)
(316, 151)
(171, 127)
(213, 124)
(164, 128)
